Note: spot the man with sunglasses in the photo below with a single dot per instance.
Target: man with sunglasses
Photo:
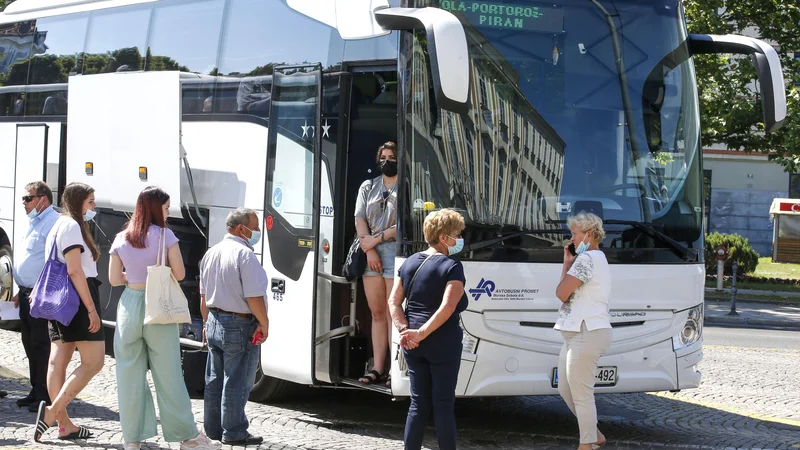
(29, 261)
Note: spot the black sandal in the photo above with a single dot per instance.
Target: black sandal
(375, 378)
(82, 433)
(41, 426)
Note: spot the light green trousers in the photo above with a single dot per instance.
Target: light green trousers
(136, 345)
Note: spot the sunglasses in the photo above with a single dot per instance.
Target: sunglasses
(29, 198)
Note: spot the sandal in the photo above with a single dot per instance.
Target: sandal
(41, 426)
(373, 376)
(82, 433)
(388, 381)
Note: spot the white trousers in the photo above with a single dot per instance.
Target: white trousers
(577, 365)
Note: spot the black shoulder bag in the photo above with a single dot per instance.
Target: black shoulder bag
(356, 262)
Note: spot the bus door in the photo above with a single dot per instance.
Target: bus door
(291, 224)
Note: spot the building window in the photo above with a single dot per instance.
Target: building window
(794, 184)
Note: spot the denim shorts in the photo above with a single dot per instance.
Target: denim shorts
(387, 252)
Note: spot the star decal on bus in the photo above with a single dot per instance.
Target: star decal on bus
(325, 129)
(306, 128)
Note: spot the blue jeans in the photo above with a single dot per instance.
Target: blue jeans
(230, 374)
(433, 370)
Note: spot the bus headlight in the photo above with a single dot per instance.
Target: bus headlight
(692, 329)
(468, 342)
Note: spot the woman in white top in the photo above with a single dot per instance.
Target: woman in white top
(584, 323)
(76, 248)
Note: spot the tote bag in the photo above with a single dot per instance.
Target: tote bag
(163, 299)
(53, 296)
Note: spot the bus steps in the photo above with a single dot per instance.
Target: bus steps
(376, 387)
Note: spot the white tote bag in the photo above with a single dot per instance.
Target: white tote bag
(164, 300)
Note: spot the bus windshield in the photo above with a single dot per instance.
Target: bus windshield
(559, 126)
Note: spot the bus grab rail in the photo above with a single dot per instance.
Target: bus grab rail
(194, 345)
(351, 327)
(334, 334)
(334, 278)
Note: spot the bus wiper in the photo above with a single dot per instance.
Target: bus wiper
(490, 242)
(685, 252)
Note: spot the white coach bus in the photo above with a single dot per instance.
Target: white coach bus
(517, 113)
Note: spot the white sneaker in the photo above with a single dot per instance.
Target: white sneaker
(202, 442)
(132, 446)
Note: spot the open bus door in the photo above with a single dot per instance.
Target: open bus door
(291, 228)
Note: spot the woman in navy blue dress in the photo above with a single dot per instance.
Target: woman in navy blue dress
(433, 284)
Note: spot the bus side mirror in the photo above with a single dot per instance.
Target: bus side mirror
(447, 47)
(768, 67)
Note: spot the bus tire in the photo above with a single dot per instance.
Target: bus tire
(269, 389)
(7, 291)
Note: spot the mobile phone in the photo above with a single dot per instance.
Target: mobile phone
(257, 338)
(572, 249)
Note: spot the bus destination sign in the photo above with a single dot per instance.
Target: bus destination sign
(540, 19)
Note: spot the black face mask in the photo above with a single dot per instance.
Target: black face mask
(388, 167)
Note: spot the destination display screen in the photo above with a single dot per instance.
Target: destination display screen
(541, 19)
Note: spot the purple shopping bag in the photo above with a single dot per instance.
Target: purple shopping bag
(53, 296)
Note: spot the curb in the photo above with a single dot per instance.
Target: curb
(739, 320)
(744, 299)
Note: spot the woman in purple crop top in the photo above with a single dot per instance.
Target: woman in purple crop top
(135, 344)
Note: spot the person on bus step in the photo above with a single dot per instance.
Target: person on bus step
(584, 323)
(75, 247)
(233, 292)
(376, 225)
(433, 284)
(30, 261)
(137, 346)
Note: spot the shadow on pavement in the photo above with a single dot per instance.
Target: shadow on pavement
(627, 420)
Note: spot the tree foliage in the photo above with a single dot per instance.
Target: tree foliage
(729, 103)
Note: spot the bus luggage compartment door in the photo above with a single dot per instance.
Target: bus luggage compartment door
(124, 135)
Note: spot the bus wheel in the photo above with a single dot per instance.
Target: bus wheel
(269, 389)
(7, 286)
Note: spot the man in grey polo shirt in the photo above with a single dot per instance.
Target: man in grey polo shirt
(233, 288)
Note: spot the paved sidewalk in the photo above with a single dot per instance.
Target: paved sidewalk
(752, 314)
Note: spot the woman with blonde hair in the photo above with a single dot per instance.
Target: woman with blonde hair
(584, 323)
(433, 285)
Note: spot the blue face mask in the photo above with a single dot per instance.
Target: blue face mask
(90, 214)
(254, 237)
(454, 249)
(582, 247)
(34, 213)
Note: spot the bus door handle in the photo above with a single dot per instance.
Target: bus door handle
(278, 285)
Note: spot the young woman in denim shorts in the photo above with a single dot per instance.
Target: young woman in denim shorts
(376, 223)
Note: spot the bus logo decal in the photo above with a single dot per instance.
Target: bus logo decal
(277, 197)
(484, 287)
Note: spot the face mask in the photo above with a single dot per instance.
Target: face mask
(582, 247)
(388, 168)
(454, 249)
(34, 213)
(90, 214)
(254, 237)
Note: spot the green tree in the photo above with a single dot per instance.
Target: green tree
(732, 113)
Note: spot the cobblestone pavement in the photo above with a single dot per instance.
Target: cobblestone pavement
(750, 398)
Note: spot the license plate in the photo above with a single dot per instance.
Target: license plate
(605, 376)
